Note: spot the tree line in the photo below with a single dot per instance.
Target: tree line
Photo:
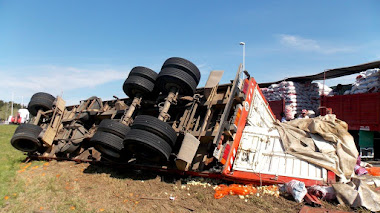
(4, 103)
(5, 109)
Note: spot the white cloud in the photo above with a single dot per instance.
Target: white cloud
(69, 78)
(299, 43)
(304, 44)
(25, 81)
(204, 69)
(75, 83)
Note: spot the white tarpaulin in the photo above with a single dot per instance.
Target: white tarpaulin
(339, 156)
(356, 194)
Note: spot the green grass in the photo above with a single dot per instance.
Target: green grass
(10, 160)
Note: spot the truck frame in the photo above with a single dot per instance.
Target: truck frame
(222, 131)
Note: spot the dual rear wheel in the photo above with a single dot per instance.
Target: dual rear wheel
(26, 135)
(153, 139)
(148, 138)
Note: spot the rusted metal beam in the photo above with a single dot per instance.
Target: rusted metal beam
(127, 118)
(38, 117)
(171, 99)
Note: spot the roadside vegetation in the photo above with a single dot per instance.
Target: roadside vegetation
(10, 160)
(5, 109)
(11, 163)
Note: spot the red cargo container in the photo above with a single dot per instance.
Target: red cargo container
(277, 107)
(360, 111)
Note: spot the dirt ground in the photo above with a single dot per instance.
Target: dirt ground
(71, 187)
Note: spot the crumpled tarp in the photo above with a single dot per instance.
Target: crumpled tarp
(356, 194)
(298, 142)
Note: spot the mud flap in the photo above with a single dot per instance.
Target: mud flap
(187, 152)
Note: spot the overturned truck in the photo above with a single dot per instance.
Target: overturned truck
(167, 124)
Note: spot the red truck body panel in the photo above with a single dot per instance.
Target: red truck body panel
(360, 111)
(277, 107)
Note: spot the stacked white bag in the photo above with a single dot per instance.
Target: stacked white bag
(315, 92)
(366, 82)
(297, 96)
(319, 89)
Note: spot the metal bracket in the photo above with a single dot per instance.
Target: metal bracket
(127, 117)
(171, 99)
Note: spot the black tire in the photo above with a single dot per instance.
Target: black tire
(39, 101)
(25, 138)
(185, 65)
(152, 95)
(137, 84)
(173, 77)
(147, 145)
(113, 127)
(34, 129)
(155, 126)
(107, 144)
(144, 72)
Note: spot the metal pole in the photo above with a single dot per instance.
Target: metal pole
(324, 79)
(6, 112)
(12, 104)
(243, 43)
(244, 57)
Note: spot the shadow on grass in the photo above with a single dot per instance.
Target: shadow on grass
(169, 176)
(130, 173)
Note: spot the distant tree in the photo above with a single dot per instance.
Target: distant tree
(5, 109)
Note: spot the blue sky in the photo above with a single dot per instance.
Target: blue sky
(86, 48)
